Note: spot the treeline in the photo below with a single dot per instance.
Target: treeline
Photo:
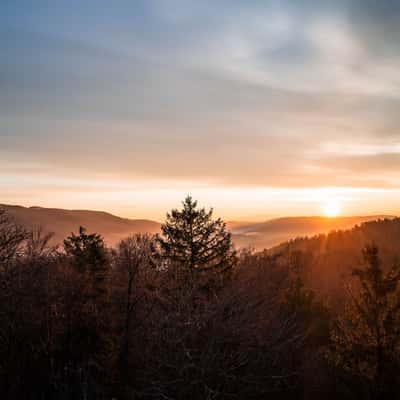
(182, 315)
(331, 256)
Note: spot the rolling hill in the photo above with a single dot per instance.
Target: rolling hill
(63, 222)
(267, 234)
(257, 235)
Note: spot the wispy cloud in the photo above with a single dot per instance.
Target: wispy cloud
(260, 93)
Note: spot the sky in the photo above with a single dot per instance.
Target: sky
(259, 108)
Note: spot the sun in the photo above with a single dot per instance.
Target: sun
(332, 208)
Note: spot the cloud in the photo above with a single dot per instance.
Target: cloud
(222, 92)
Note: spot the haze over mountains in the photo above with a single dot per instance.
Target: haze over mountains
(62, 222)
(258, 235)
(270, 233)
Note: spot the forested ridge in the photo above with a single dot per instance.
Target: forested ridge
(331, 256)
(183, 314)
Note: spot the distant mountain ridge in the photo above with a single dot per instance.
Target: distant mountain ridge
(62, 222)
(258, 235)
(273, 232)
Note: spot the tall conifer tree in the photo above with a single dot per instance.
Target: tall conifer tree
(194, 242)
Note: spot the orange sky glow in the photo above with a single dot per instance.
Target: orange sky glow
(260, 109)
(152, 201)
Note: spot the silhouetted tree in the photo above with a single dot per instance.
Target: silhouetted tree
(28, 321)
(87, 252)
(366, 338)
(194, 242)
(12, 237)
(135, 262)
(236, 345)
(88, 256)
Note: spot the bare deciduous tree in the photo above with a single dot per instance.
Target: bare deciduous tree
(136, 262)
(12, 237)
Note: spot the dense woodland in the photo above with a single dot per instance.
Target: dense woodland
(183, 315)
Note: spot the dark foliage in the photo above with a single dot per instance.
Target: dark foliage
(196, 245)
(184, 316)
(366, 337)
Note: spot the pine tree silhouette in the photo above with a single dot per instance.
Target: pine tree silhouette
(195, 243)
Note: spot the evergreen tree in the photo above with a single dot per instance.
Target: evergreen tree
(86, 250)
(366, 338)
(89, 333)
(194, 242)
(87, 254)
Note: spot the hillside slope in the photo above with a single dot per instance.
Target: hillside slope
(330, 257)
(63, 222)
(270, 233)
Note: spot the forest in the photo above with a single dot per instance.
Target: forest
(185, 315)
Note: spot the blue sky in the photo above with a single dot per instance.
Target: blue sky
(113, 105)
